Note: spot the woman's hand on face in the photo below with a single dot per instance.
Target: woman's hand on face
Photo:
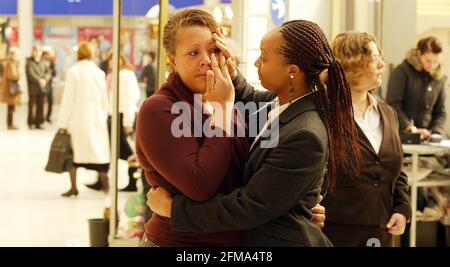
(219, 87)
(228, 52)
(160, 201)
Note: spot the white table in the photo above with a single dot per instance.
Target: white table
(416, 177)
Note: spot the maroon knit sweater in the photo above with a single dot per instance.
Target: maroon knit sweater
(197, 167)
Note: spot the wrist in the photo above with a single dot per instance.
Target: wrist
(169, 208)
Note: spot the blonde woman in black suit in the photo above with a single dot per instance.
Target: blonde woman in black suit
(375, 204)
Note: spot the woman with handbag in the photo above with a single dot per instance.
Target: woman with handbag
(83, 114)
(10, 86)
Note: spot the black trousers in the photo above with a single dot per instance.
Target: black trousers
(36, 117)
(125, 149)
(9, 118)
(49, 102)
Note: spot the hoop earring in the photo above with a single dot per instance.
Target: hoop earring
(291, 89)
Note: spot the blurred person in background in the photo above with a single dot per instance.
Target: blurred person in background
(37, 79)
(129, 94)
(416, 89)
(104, 61)
(10, 76)
(2, 69)
(149, 73)
(49, 58)
(83, 114)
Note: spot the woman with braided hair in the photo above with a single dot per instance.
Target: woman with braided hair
(283, 182)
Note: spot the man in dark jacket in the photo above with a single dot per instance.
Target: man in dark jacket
(416, 89)
(37, 79)
(149, 74)
(49, 59)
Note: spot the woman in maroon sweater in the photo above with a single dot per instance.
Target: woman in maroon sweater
(193, 165)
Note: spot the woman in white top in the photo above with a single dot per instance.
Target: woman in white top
(129, 94)
(83, 114)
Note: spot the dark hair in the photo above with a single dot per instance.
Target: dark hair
(429, 45)
(186, 18)
(307, 47)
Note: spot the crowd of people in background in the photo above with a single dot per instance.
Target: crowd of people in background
(40, 73)
(87, 84)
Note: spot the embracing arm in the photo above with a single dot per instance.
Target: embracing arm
(195, 170)
(281, 182)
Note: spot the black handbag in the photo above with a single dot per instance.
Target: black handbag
(61, 155)
(14, 88)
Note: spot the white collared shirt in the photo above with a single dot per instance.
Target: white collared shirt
(273, 114)
(370, 123)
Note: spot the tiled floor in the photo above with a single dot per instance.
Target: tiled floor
(32, 211)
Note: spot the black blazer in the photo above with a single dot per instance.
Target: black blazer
(381, 189)
(281, 184)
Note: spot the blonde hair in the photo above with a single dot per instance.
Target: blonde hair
(352, 50)
(124, 62)
(85, 51)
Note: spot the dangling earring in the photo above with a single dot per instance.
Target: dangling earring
(291, 89)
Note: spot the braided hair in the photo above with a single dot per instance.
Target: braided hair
(307, 47)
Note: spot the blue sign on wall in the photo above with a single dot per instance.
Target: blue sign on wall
(73, 7)
(102, 7)
(185, 3)
(140, 7)
(137, 7)
(93, 7)
(8, 7)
